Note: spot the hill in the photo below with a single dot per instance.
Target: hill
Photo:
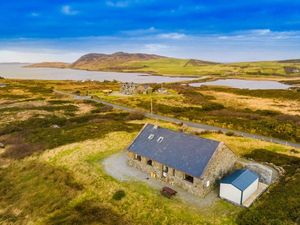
(161, 65)
(115, 61)
(290, 61)
(196, 62)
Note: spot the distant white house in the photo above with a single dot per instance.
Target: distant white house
(239, 186)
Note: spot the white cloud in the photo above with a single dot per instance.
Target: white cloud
(248, 45)
(260, 34)
(117, 4)
(140, 32)
(67, 10)
(174, 36)
(34, 14)
(154, 48)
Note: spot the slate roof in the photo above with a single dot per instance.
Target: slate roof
(241, 179)
(187, 153)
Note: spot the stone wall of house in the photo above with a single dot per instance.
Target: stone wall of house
(221, 164)
(174, 177)
(128, 88)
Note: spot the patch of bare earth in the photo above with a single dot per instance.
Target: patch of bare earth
(22, 116)
(84, 108)
(25, 105)
(255, 103)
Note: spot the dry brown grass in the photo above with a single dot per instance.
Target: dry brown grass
(242, 146)
(26, 105)
(18, 148)
(84, 108)
(254, 103)
(22, 116)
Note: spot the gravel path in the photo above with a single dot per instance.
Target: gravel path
(116, 166)
(190, 124)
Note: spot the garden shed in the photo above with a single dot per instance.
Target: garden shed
(239, 186)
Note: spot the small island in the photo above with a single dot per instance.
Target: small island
(60, 65)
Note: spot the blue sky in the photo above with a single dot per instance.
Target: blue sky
(236, 30)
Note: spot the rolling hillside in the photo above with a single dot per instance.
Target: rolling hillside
(116, 61)
(155, 64)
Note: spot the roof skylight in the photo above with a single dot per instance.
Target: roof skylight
(160, 139)
(151, 136)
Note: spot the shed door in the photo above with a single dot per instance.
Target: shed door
(230, 193)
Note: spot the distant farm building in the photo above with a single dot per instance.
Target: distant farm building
(130, 88)
(289, 69)
(188, 161)
(107, 91)
(239, 186)
(162, 91)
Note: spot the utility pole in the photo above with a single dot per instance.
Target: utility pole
(151, 105)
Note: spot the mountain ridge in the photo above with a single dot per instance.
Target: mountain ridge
(163, 65)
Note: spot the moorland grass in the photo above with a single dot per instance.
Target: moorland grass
(34, 188)
(281, 205)
(66, 184)
(273, 94)
(189, 103)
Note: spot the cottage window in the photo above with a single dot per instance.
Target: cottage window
(160, 139)
(149, 162)
(151, 136)
(188, 178)
(138, 157)
(165, 170)
(207, 183)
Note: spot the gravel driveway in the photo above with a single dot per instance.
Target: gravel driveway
(117, 167)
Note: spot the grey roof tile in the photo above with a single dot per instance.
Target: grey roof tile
(184, 152)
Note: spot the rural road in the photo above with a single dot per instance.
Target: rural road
(188, 123)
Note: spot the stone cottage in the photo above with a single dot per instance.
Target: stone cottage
(188, 161)
(130, 88)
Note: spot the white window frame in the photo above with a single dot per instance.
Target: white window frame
(207, 183)
(165, 171)
(151, 136)
(160, 139)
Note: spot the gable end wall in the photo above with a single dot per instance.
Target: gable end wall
(221, 164)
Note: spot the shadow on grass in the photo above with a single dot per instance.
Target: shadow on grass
(31, 190)
(88, 212)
